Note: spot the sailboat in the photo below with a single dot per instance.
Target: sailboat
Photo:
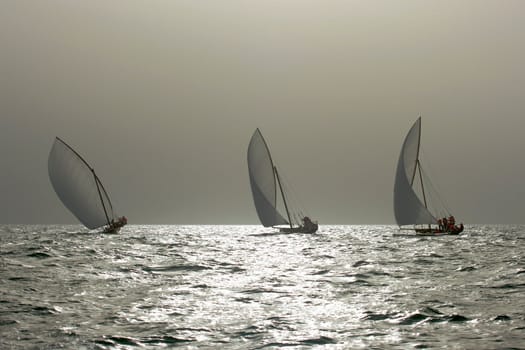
(266, 187)
(80, 189)
(409, 208)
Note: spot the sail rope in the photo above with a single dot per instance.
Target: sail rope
(294, 203)
(441, 208)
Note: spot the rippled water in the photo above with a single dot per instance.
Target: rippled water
(242, 287)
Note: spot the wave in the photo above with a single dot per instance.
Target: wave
(174, 268)
(466, 268)
(502, 318)
(361, 263)
(508, 286)
(39, 255)
(44, 310)
(426, 315)
(352, 288)
(262, 290)
(164, 340)
(372, 316)
(309, 342)
(160, 340)
(429, 315)
(319, 341)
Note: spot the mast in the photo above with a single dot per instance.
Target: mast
(422, 186)
(418, 165)
(417, 154)
(97, 181)
(282, 194)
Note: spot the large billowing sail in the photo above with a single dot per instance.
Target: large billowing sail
(262, 181)
(78, 187)
(408, 208)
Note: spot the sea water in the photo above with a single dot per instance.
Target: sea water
(247, 287)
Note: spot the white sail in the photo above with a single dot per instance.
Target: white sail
(262, 181)
(78, 187)
(408, 208)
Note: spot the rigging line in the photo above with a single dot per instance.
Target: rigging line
(431, 195)
(295, 205)
(418, 153)
(281, 200)
(422, 186)
(437, 188)
(428, 165)
(444, 209)
(297, 218)
(106, 195)
(282, 193)
(436, 192)
(429, 199)
(435, 207)
(292, 194)
(100, 195)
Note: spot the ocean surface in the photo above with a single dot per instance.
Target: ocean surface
(246, 287)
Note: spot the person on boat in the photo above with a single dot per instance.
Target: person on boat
(116, 224)
(440, 224)
(445, 224)
(307, 223)
(451, 223)
(458, 228)
(121, 221)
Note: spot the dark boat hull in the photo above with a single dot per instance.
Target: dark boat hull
(436, 231)
(300, 229)
(113, 230)
(115, 225)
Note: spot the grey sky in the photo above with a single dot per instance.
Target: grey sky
(162, 97)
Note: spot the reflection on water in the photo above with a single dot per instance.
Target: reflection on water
(244, 287)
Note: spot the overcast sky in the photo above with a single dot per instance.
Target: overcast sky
(162, 97)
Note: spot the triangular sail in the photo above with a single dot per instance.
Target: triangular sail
(78, 187)
(262, 181)
(408, 208)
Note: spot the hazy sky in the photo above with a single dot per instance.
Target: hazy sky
(162, 97)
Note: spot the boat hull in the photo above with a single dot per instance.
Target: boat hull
(113, 230)
(115, 226)
(300, 229)
(436, 231)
